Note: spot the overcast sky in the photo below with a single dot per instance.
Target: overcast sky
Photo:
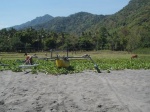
(16, 12)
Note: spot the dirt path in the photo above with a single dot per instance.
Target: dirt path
(118, 91)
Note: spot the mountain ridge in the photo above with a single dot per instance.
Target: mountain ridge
(130, 15)
(34, 22)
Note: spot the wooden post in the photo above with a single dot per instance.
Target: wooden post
(51, 53)
(67, 52)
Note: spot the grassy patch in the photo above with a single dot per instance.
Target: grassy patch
(142, 51)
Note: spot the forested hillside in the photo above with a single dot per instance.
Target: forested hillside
(34, 22)
(75, 23)
(135, 14)
(128, 29)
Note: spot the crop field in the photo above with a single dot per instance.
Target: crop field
(105, 60)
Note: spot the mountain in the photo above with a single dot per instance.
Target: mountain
(74, 23)
(34, 22)
(134, 15)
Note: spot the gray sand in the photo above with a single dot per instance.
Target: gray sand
(118, 91)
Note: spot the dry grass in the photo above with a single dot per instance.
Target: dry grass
(94, 54)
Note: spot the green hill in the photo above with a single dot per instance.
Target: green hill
(75, 23)
(34, 22)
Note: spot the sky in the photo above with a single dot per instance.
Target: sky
(16, 12)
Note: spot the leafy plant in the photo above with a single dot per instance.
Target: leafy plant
(49, 67)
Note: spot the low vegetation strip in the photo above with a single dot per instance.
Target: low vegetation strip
(49, 67)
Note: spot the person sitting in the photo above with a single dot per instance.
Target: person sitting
(28, 59)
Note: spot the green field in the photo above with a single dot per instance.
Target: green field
(106, 60)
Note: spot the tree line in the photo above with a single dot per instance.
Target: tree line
(30, 40)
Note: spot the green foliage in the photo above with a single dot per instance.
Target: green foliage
(49, 67)
(50, 43)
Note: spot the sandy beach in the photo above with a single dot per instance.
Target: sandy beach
(118, 91)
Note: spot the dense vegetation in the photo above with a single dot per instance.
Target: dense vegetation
(107, 64)
(128, 29)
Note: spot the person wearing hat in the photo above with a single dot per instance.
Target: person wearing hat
(28, 59)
